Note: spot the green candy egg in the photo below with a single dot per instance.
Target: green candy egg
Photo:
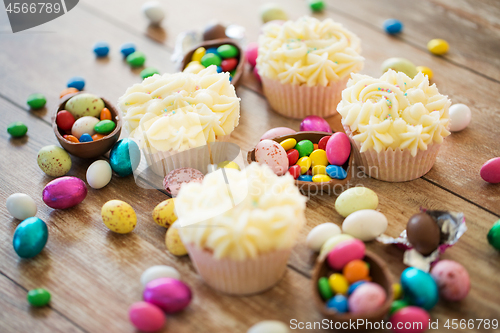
(211, 59)
(83, 105)
(149, 71)
(305, 148)
(227, 51)
(400, 65)
(104, 126)
(36, 101)
(38, 297)
(494, 235)
(317, 5)
(17, 129)
(136, 59)
(324, 288)
(398, 305)
(54, 161)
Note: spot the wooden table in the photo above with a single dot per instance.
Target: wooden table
(93, 274)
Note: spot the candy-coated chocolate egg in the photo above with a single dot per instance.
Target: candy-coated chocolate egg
(294, 170)
(97, 136)
(76, 82)
(393, 26)
(269, 326)
(305, 178)
(426, 71)
(288, 144)
(460, 116)
(423, 233)
(127, 48)
(345, 252)
(125, 157)
(38, 297)
(168, 294)
(36, 101)
(228, 65)
(318, 170)
(99, 174)
(293, 156)
(86, 138)
(176, 178)
(318, 157)
(194, 68)
(355, 285)
(367, 298)
(65, 120)
(173, 241)
(164, 213)
(17, 129)
(101, 49)
(452, 279)
(272, 154)
(490, 171)
(118, 216)
(228, 165)
(320, 234)
(323, 141)
(271, 12)
(305, 164)
(338, 149)
(227, 51)
(321, 179)
(105, 114)
(153, 11)
(398, 305)
(304, 147)
(316, 5)
(419, 288)
(324, 288)
(72, 138)
(214, 30)
(136, 59)
(438, 46)
(148, 71)
(410, 316)
(354, 199)
(159, 271)
(198, 54)
(104, 127)
(400, 65)
(54, 161)
(494, 235)
(84, 125)
(64, 192)
(68, 91)
(21, 206)
(211, 59)
(30, 237)
(277, 131)
(338, 303)
(315, 123)
(355, 271)
(397, 290)
(83, 105)
(251, 53)
(332, 242)
(146, 317)
(336, 172)
(365, 224)
(338, 283)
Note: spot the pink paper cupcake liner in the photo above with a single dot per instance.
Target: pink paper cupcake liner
(300, 101)
(245, 277)
(394, 165)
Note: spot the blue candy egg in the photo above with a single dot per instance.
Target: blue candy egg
(219, 69)
(305, 178)
(86, 138)
(338, 303)
(125, 157)
(393, 26)
(127, 48)
(336, 172)
(353, 286)
(419, 288)
(211, 50)
(76, 82)
(30, 237)
(101, 49)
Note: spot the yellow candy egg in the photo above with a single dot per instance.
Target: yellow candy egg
(164, 213)
(397, 290)
(228, 164)
(119, 216)
(194, 67)
(198, 54)
(426, 71)
(321, 179)
(319, 170)
(288, 144)
(304, 163)
(438, 46)
(318, 157)
(338, 283)
(174, 242)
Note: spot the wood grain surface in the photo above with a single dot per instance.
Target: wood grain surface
(93, 274)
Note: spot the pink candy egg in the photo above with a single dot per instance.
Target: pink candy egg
(452, 279)
(338, 149)
(345, 252)
(367, 298)
(251, 53)
(315, 123)
(411, 319)
(277, 131)
(490, 171)
(272, 154)
(168, 294)
(176, 178)
(146, 317)
(64, 192)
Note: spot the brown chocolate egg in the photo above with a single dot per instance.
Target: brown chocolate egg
(423, 233)
(214, 31)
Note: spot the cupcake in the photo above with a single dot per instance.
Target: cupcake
(173, 117)
(305, 64)
(239, 227)
(397, 124)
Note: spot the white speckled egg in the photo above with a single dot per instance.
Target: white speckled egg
(366, 224)
(159, 271)
(153, 11)
(269, 326)
(84, 125)
(85, 104)
(99, 174)
(354, 199)
(21, 206)
(320, 234)
(460, 116)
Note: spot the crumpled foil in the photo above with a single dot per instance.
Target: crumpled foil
(452, 226)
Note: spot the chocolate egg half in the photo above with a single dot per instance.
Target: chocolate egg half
(423, 233)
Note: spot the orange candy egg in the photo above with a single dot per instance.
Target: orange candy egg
(71, 138)
(315, 145)
(105, 114)
(97, 136)
(356, 270)
(68, 91)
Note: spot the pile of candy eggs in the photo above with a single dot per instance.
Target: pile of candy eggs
(225, 57)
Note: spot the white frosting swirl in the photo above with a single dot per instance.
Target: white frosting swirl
(308, 51)
(242, 214)
(394, 111)
(180, 111)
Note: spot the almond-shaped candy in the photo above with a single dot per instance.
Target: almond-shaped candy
(272, 154)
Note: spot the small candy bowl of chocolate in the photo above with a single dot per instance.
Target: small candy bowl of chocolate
(351, 284)
(86, 126)
(224, 53)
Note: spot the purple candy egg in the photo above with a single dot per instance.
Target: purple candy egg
(168, 294)
(64, 192)
(175, 178)
(315, 123)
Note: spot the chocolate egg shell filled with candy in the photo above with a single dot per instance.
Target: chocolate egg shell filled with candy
(423, 233)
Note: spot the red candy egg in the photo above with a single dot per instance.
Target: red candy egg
(293, 156)
(294, 171)
(65, 120)
(228, 65)
(323, 141)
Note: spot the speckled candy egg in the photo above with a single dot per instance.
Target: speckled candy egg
(84, 125)
(99, 174)
(146, 317)
(320, 234)
(366, 224)
(21, 206)
(54, 161)
(277, 131)
(159, 271)
(124, 157)
(269, 326)
(164, 213)
(367, 298)
(175, 178)
(452, 279)
(64, 192)
(315, 123)
(410, 316)
(419, 288)
(119, 216)
(30, 237)
(85, 104)
(173, 241)
(168, 294)
(272, 154)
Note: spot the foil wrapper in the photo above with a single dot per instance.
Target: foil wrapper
(452, 226)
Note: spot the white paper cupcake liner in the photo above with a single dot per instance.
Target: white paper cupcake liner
(300, 101)
(246, 277)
